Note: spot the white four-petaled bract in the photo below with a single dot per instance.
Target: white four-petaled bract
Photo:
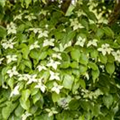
(80, 41)
(92, 42)
(15, 91)
(41, 67)
(116, 55)
(12, 72)
(54, 76)
(1, 59)
(26, 115)
(42, 34)
(34, 45)
(56, 88)
(105, 48)
(11, 28)
(48, 42)
(11, 58)
(51, 111)
(32, 78)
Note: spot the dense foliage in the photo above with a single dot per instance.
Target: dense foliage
(58, 67)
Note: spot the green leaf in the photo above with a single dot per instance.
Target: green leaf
(82, 83)
(25, 104)
(68, 81)
(28, 63)
(2, 31)
(6, 111)
(74, 64)
(74, 104)
(36, 97)
(110, 68)
(95, 74)
(2, 3)
(75, 54)
(83, 59)
(26, 94)
(103, 59)
(11, 83)
(44, 117)
(19, 111)
(108, 100)
(108, 32)
(93, 66)
(27, 2)
(55, 97)
(83, 69)
(100, 32)
(43, 55)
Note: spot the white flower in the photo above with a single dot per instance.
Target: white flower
(31, 78)
(35, 30)
(41, 67)
(25, 115)
(105, 49)
(18, 17)
(12, 72)
(92, 42)
(56, 55)
(30, 17)
(56, 88)
(15, 91)
(48, 42)
(40, 85)
(54, 76)
(43, 34)
(8, 43)
(51, 111)
(34, 45)
(23, 77)
(116, 55)
(80, 41)
(75, 24)
(11, 58)
(1, 59)
(53, 64)
(11, 28)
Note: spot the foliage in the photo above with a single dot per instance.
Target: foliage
(58, 67)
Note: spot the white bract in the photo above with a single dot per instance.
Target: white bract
(41, 67)
(26, 115)
(11, 28)
(80, 41)
(34, 45)
(92, 42)
(11, 58)
(56, 88)
(42, 34)
(1, 59)
(48, 42)
(51, 111)
(105, 48)
(18, 17)
(54, 76)
(8, 43)
(53, 64)
(35, 30)
(12, 72)
(75, 24)
(31, 78)
(23, 77)
(15, 91)
(30, 17)
(116, 55)
(40, 85)
(57, 55)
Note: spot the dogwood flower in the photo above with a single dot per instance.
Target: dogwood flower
(40, 85)
(1, 59)
(56, 88)
(18, 17)
(12, 72)
(15, 91)
(35, 30)
(48, 42)
(53, 64)
(11, 58)
(105, 49)
(41, 67)
(80, 41)
(42, 34)
(51, 111)
(34, 45)
(92, 42)
(54, 76)
(31, 78)
(116, 55)
(8, 43)
(11, 28)
(30, 17)
(23, 77)
(26, 115)
(75, 24)
(54, 55)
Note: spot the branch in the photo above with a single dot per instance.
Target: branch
(65, 5)
(115, 14)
